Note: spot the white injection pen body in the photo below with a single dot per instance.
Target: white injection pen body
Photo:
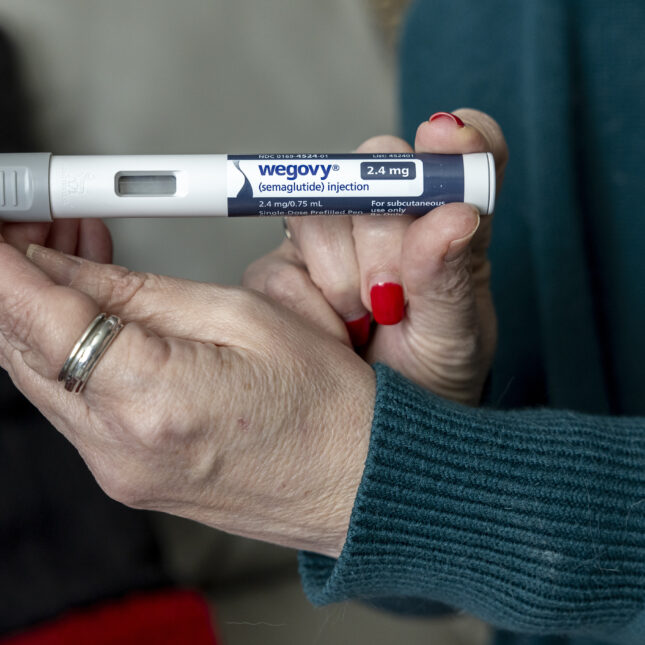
(138, 186)
(43, 187)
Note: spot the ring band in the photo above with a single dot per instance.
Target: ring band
(88, 350)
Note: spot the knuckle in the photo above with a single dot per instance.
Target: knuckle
(246, 304)
(252, 276)
(255, 274)
(122, 286)
(259, 314)
(150, 427)
(138, 375)
(338, 289)
(243, 303)
(144, 359)
(285, 283)
(147, 413)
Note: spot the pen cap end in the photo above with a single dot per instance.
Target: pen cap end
(24, 187)
(479, 181)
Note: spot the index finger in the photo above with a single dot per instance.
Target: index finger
(40, 323)
(28, 298)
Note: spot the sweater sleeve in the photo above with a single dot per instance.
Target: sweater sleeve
(533, 520)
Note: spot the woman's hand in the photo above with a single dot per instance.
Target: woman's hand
(213, 403)
(335, 270)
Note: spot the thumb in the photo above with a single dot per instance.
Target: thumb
(436, 271)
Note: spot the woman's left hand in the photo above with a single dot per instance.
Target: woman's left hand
(87, 238)
(335, 270)
(212, 403)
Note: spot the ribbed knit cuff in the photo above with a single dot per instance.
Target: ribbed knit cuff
(531, 520)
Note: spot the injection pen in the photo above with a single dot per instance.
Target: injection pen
(41, 187)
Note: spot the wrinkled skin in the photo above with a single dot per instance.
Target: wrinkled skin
(213, 403)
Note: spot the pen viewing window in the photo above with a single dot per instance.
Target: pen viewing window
(146, 184)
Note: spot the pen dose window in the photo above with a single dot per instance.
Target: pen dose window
(147, 185)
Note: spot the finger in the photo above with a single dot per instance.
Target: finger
(326, 247)
(23, 234)
(378, 249)
(94, 241)
(125, 409)
(461, 132)
(281, 276)
(63, 235)
(41, 321)
(167, 306)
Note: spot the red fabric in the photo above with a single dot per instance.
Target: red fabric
(160, 618)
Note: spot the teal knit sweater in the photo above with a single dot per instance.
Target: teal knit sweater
(528, 512)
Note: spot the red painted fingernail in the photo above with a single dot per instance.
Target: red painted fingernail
(388, 305)
(447, 115)
(359, 330)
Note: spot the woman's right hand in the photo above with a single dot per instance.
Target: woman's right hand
(214, 403)
(425, 280)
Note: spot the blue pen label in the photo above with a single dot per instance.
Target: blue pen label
(300, 184)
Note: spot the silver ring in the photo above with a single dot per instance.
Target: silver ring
(88, 350)
(285, 225)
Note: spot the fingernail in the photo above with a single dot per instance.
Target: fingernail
(458, 246)
(388, 304)
(449, 116)
(58, 266)
(34, 251)
(359, 330)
